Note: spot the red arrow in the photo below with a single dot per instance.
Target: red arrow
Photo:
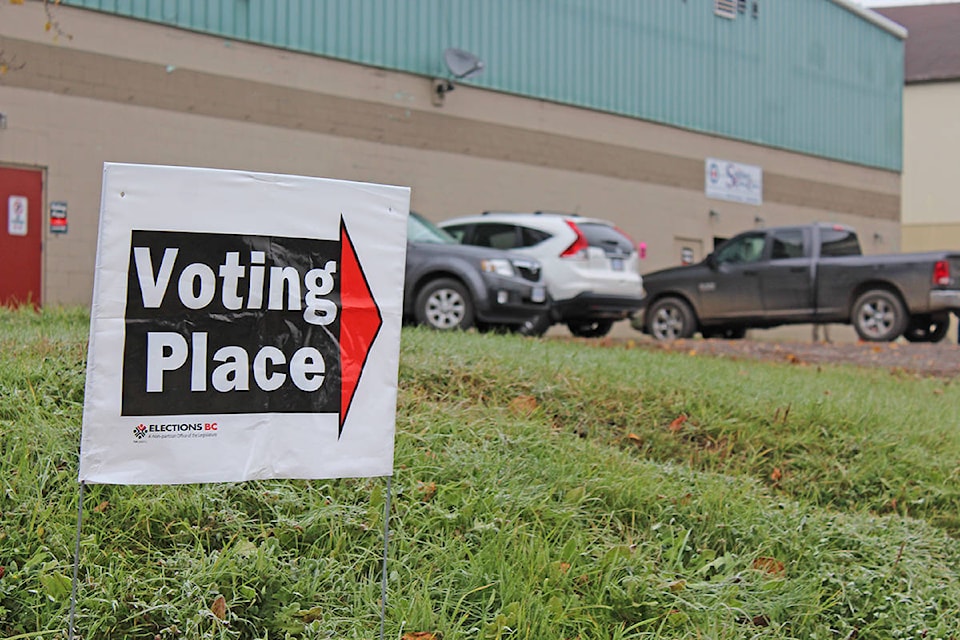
(360, 322)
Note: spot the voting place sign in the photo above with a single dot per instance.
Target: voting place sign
(244, 326)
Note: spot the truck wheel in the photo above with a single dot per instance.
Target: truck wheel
(444, 304)
(879, 316)
(670, 319)
(590, 328)
(927, 328)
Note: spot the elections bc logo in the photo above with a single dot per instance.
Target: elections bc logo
(228, 324)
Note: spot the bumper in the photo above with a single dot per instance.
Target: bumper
(945, 300)
(511, 301)
(591, 306)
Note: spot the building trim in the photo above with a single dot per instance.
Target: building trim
(873, 17)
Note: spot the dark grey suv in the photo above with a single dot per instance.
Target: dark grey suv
(452, 286)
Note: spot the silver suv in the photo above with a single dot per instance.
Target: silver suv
(591, 267)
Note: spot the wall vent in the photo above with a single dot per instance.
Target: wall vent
(725, 8)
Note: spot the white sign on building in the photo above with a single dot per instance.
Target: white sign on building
(244, 326)
(732, 181)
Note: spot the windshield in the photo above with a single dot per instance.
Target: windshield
(419, 229)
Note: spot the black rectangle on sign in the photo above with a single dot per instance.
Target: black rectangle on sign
(229, 324)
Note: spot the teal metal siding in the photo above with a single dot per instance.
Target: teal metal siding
(804, 75)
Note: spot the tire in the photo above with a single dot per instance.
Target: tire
(725, 333)
(879, 316)
(535, 326)
(444, 304)
(670, 319)
(590, 328)
(927, 328)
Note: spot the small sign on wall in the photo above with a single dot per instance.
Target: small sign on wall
(58, 217)
(733, 181)
(17, 215)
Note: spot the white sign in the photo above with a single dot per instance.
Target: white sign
(735, 182)
(17, 216)
(244, 326)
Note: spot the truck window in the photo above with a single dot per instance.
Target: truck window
(787, 243)
(745, 248)
(838, 242)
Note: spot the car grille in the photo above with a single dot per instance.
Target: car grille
(528, 269)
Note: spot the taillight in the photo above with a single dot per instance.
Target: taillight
(580, 244)
(941, 273)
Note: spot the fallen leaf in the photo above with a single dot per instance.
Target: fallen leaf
(219, 607)
(635, 438)
(792, 358)
(677, 423)
(427, 490)
(771, 566)
(677, 585)
(3, 570)
(776, 475)
(692, 352)
(102, 507)
(564, 567)
(523, 405)
(420, 635)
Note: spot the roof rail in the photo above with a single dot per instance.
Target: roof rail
(557, 213)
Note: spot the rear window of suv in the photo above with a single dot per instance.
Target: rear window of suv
(605, 237)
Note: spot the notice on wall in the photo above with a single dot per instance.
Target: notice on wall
(17, 215)
(244, 326)
(733, 181)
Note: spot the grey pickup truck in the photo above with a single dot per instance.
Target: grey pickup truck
(803, 274)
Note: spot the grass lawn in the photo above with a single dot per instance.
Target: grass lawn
(542, 490)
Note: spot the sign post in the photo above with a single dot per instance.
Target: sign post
(244, 326)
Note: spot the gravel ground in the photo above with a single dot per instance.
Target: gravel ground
(939, 360)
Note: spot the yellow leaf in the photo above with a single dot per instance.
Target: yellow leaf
(523, 405)
(47, 26)
(16, 1)
(3, 68)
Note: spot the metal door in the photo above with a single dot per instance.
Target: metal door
(21, 236)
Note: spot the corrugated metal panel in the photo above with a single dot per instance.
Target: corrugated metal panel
(805, 75)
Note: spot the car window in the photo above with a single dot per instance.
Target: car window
(419, 229)
(496, 235)
(787, 243)
(745, 248)
(838, 242)
(458, 231)
(605, 237)
(532, 237)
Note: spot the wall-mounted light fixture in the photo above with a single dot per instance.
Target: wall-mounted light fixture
(877, 237)
(757, 220)
(714, 215)
(3, 121)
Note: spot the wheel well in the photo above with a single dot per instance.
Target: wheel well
(426, 279)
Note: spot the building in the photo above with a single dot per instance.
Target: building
(684, 121)
(930, 205)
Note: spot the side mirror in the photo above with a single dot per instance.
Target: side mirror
(711, 261)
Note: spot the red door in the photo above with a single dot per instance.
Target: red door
(21, 233)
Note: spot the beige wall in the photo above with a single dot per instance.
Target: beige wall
(931, 158)
(123, 91)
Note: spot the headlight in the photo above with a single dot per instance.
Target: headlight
(498, 266)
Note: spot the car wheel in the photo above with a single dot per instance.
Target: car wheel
(444, 304)
(927, 328)
(535, 326)
(879, 316)
(590, 329)
(670, 319)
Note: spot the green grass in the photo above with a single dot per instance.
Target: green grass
(539, 493)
